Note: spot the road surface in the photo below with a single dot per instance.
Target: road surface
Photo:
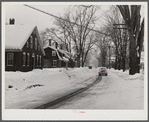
(112, 92)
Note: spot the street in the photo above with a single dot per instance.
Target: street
(110, 93)
(80, 57)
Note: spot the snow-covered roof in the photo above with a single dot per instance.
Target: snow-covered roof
(65, 59)
(17, 35)
(66, 53)
(50, 47)
(63, 51)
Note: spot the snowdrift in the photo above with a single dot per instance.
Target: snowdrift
(30, 89)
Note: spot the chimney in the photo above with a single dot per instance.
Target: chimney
(49, 42)
(11, 21)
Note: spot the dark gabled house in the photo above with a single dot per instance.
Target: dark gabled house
(23, 48)
(53, 57)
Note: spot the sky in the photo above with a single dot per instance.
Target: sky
(24, 15)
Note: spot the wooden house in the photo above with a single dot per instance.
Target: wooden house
(67, 60)
(54, 58)
(23, 48)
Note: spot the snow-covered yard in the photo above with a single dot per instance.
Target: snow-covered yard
(32, 89)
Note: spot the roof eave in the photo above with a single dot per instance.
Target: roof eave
(13, 50)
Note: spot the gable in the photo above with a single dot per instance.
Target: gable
(39, 40)
(16, 36)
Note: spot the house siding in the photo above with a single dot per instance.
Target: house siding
(48, 59)
(32, 51)
(16, 61)
(18, 57)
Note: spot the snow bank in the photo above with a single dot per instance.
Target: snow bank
(118, 90)
(112, 92)
(30, 89)
(125, 75)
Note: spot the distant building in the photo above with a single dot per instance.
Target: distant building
(23, 48)
(56, 57)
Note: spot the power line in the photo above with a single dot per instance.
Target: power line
(63, 19)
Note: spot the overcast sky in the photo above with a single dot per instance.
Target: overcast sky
(25, 15)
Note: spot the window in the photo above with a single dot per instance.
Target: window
(53, 53)
(35, 43)
(31, 40)
(10, 58)
(40, 60)
(27, 45)
(37, 60)
(28, 59)
(33, 60)
(54, 63)
(24, 58)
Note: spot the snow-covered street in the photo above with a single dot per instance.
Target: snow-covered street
(118, 90)
(115, 91)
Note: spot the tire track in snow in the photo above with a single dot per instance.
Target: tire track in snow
(59, 100)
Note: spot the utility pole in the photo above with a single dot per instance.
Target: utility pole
(109, 56)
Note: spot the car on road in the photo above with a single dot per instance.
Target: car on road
(102, 71)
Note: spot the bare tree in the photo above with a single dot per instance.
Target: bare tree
(74, 28)
(131, 15)
(103, 45)
(118, 35)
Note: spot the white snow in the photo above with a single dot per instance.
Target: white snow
(117, 91)
(65, 59)
(41, 86)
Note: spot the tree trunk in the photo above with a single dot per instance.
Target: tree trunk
(119, 63)
(132, 19)
(140, 43)
(123, 64)
(133, 55)
(78, 61)
(138, 68)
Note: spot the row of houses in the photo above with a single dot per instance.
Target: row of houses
(24, 50)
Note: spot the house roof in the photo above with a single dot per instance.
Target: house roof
(66, 53)
(65, 59)
(17, 35)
